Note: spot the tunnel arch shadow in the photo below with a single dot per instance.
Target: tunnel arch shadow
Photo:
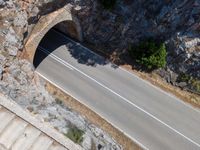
(55, 38)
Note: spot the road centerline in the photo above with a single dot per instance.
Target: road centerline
(112, 91)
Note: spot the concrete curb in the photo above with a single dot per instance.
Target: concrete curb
(43, 127)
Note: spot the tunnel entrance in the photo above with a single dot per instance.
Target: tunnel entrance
(57, 36)
(68, 28)
(61, 21)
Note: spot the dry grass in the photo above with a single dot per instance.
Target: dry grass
(94, 118)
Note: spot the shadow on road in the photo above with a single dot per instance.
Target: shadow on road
(54, 39)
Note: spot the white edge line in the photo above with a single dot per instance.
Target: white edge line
(55, 57)
(131, 103)
(167, 93)
(74, 97)
(133, 74)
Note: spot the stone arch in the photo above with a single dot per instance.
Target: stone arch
(47, 22)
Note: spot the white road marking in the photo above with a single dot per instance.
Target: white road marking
(128, 101)
(55, 57)
(65, 91)
(131, 73)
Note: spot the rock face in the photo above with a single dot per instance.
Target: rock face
(177, 23)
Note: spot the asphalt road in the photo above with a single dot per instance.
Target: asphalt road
(154, 119)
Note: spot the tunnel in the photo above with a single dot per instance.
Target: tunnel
(55, 38)
(61, 21)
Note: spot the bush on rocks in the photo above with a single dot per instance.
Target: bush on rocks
(149, 54)
(196, 85)
(75, 135)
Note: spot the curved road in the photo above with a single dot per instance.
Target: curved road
(148, 115)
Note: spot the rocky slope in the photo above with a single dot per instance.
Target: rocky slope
(177, 23)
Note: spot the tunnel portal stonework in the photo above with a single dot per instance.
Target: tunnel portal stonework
(56, 19)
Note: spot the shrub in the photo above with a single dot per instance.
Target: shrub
(75, 135)
(183, 77)
(58, 101)
(149, 54)
(108, 4)
(193, 82)
(196, 85)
